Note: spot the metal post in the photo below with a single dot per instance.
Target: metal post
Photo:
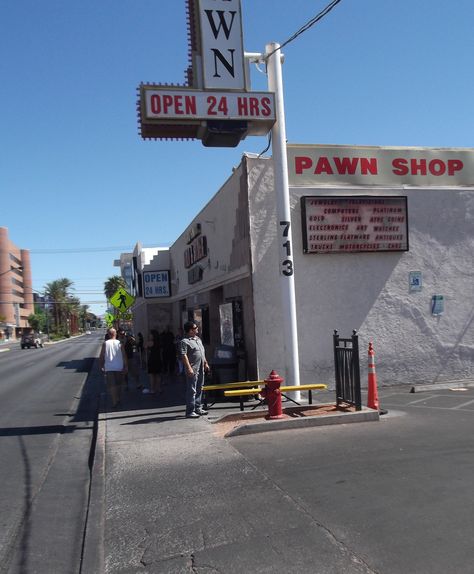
(280, 167)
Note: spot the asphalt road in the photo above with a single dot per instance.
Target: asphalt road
(48, 408)
(397, 493)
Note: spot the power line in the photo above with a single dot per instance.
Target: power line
(124, 248)
(307, 26)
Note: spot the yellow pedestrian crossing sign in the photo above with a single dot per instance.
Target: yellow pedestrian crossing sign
(109, 319)
(122, 299)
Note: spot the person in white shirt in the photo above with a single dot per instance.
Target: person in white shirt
(113, 361)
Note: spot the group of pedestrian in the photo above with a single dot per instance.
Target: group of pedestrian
(118, 360)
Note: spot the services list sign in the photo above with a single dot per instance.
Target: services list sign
(352, 224)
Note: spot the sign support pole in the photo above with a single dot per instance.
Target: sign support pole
(273, 57)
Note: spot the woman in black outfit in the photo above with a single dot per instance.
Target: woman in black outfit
(155, 365)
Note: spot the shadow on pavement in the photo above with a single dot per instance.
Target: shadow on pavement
(133, 399)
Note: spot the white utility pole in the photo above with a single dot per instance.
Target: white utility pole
(273, 58)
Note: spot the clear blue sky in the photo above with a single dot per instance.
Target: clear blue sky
(79, 186)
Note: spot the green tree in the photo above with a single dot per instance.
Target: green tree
(112, 284)
(62, 301)
(37, 321)
(84, 316)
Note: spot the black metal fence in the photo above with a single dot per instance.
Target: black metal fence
(347, 367)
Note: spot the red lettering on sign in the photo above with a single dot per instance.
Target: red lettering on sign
(435, 167)
(167, 103)
(323, 165)
(341, 165)
(400, 166)
(301, 163)
(253, 107)
(266, 110)
(346, 165)
(454, 165)
(418, 166)
(368, 165)
(242, 107)
(177, 104)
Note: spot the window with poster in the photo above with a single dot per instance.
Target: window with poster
(231, 323)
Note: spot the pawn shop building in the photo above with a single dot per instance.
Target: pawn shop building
(383, 243)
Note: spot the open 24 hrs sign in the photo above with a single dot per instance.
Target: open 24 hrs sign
(185, 105)
(156, 284)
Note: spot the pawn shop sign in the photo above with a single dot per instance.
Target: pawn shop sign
(122, 299)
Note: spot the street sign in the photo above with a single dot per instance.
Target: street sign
(122, 299)
(124, 316)
(108, 318)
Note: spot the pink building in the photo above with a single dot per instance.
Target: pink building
(16, 293)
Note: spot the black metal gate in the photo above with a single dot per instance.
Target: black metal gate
(347, 367)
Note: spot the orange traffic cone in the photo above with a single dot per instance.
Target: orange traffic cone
(372, 397)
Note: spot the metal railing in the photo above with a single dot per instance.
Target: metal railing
(347, 368)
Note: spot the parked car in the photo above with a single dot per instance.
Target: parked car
(31, 340)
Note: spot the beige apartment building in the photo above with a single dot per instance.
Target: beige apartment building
(16, 293)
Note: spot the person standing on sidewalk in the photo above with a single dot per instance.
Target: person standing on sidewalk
(154, 364)
(113, 361)
(195, 364)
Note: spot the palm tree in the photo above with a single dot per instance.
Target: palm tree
(58, 294)
(112, 284)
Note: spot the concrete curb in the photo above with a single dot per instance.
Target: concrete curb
(365, 415)
(93, 559)
(441, 386)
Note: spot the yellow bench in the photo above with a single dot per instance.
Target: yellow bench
(230, 386)
(238, 385)
(283, 389)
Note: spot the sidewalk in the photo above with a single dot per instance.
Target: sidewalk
(6, 345)
(176, 497)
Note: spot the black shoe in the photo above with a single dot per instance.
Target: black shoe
(192, 416)
(201, 412)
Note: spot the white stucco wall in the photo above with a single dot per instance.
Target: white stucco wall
(220, 221)
(369, 292)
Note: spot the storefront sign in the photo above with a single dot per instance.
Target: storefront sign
(193, 232)
(217, 106)
(350, 224)
(156, 284)
(195, 275)
(195, 252)
(314, 164)
(184, 105)
(221, 45)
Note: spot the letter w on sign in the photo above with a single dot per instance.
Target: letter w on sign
(222, 44)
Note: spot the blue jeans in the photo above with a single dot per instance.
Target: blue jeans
(194, 391)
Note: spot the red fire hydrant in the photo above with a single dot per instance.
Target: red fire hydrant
(272, 394)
